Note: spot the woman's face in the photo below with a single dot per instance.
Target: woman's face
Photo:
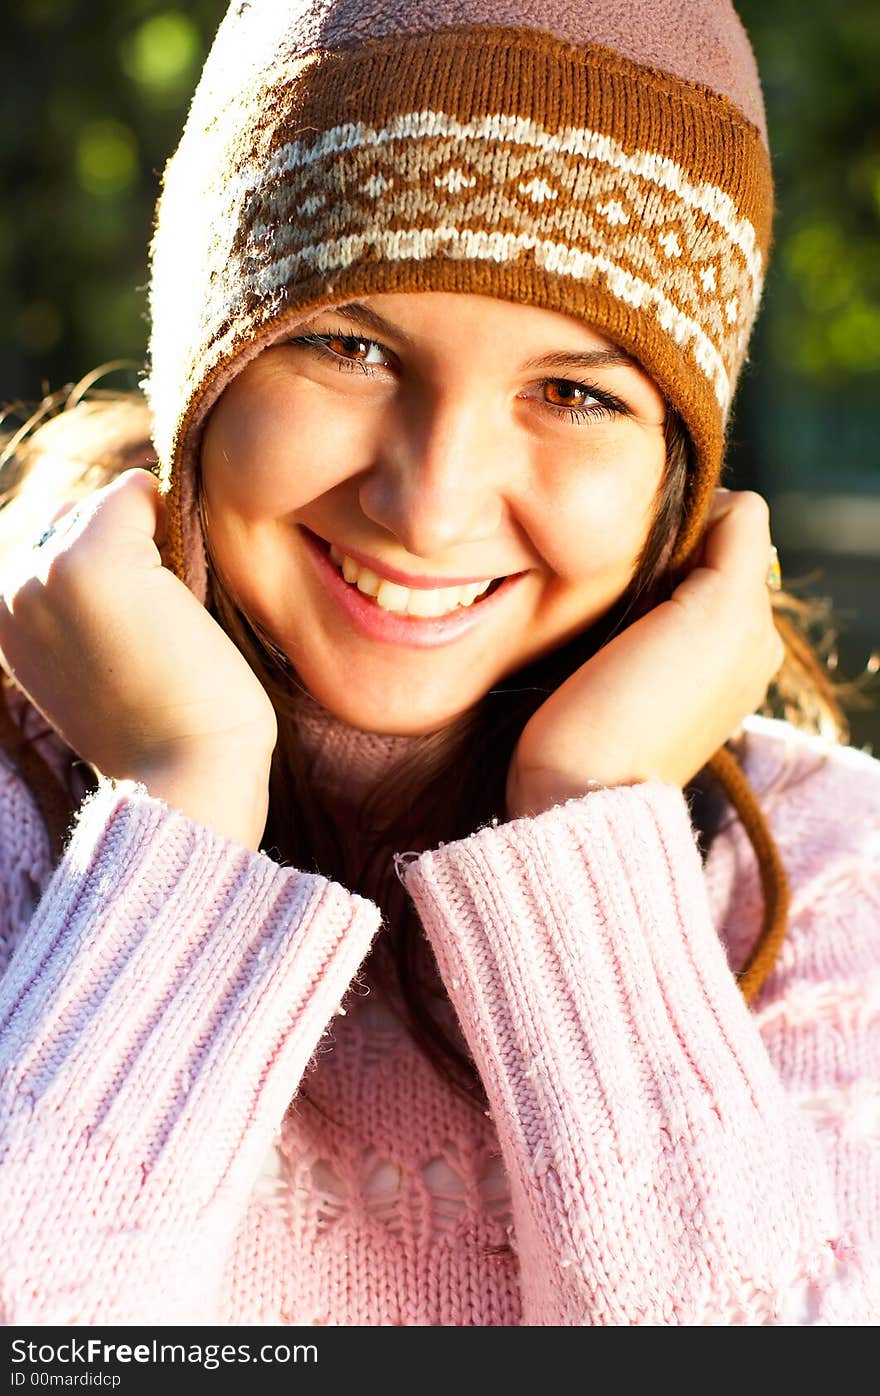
(367, 477)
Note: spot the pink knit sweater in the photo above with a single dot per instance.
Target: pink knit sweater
(655, 1152)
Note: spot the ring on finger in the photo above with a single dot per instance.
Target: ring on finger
(774, 571)
(61, 525)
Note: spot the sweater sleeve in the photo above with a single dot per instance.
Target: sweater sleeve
(660, 1171)
(155, 1021)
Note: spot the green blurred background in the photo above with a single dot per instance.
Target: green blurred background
(92, 98)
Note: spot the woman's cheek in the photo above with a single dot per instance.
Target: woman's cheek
(269, 458)
(596, 524)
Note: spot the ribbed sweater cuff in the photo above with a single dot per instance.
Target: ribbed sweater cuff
(598, 903)
(162, 960)
(623, 1068)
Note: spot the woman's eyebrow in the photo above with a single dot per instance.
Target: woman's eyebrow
(612, 357)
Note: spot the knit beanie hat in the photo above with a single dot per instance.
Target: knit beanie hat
(596, 157)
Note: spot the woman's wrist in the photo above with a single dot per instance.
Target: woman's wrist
(226, 790)
(541, 790)
(525, 799)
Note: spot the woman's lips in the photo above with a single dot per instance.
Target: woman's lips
(415, 632)
(404, 579)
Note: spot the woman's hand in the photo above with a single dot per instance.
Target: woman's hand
(131, 670)
(661, 698)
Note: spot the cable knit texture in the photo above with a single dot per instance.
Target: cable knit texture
(654, 1153)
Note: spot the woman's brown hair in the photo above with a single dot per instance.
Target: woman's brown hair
(454, 780)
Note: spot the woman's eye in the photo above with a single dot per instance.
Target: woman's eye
(347, 351)
(349, 346)
(560, 393)
(581, 400)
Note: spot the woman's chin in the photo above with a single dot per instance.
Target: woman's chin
(392, 715)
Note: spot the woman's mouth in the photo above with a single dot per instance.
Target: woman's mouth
(419, 617)
(422, 602)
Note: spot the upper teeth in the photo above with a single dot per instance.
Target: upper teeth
(403, 600)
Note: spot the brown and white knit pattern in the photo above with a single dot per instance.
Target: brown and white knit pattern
(498, 188)
(491, 159)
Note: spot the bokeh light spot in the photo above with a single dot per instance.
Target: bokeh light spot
(106, 158)
(160, 55)
(854, 336)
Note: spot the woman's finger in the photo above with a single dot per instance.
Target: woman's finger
(738, 537)
(130, 502)
(126, 514)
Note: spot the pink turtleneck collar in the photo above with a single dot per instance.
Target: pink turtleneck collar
(346, 763)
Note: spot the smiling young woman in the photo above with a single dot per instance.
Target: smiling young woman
(408, 941)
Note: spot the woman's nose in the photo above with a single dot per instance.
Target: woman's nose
(438, 481)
